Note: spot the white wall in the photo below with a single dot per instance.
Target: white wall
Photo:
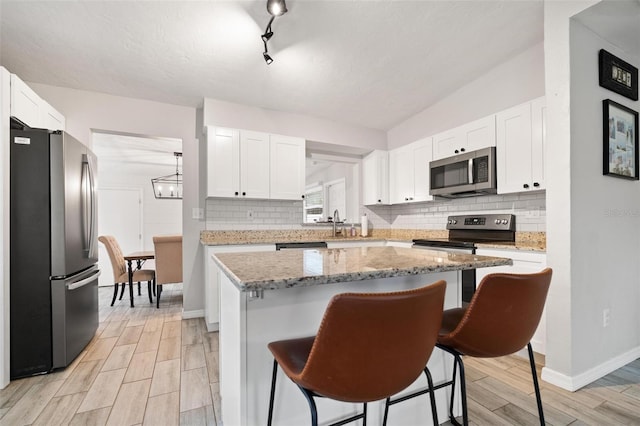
(513, 82)
(593, 238)
(159, 217)
(226, 114)
(85, 111)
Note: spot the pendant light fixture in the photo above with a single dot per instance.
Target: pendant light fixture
(275, 8)
(169, 187)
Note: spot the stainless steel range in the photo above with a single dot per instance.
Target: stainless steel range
(465, 233)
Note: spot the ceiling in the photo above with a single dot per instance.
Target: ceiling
(128, 154)
(366, 63)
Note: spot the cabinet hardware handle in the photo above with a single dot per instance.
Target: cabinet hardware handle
(461, 149)
(236, 193)
(536, 184)
(303, 197)
(244, 193)
(456, 151)
(379, 201)
(526, 185)
(406, 198)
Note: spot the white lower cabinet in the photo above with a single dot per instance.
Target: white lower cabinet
(524, 262)
(212, 279)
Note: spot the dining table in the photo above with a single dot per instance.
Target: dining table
(139, 257)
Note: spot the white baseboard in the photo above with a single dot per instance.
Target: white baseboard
(198, 313)
(573, 383)
(212, 326)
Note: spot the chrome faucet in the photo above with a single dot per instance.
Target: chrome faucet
(336, 219)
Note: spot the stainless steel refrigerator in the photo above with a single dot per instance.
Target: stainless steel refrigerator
(53, 249)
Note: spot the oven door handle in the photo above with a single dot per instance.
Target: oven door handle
(470, 170)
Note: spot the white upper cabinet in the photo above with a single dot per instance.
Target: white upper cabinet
(468, 137)
(520, 147)
(254, 164)
(32, 110)
(409, 172)
(223, 162)
(25, 103)
(375, 178)
(287, 167)
(50, 118)
(247, 164)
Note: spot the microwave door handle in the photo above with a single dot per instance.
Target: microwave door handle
(470, 170)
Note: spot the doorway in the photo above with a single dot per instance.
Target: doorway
(127, 206)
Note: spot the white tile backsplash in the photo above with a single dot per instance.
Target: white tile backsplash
(529, 208)
(231, 213)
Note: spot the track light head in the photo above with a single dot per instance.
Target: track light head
(268, 59)
(266, 36)
(276, 7)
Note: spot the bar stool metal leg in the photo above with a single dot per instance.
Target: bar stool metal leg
(535, 383)
(273, 391)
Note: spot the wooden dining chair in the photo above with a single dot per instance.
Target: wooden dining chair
(120, 273)
(168, 254)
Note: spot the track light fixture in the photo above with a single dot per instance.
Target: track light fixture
(275, 8)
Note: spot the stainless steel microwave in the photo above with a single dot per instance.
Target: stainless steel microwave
(464, 175)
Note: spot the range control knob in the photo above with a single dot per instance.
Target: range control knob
(497, 221)
(505, 221)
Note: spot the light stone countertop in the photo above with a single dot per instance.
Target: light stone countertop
(533, 241)
(299, 268)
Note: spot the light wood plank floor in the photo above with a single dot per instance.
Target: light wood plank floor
(148, 366)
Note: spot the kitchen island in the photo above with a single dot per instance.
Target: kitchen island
(268, 296)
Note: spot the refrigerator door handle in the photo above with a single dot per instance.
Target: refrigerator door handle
(84, 282)
(89, 206)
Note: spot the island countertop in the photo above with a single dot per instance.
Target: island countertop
(299, 268)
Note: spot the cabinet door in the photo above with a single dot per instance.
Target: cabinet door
(401, 175)
(513, 150)
(223, 162)
(422, 154)
(50, 118)
(375, 178)
(479, 134)
(287, 167)
(25, 103)
(538, 141)
(254, 164)
(447, 144)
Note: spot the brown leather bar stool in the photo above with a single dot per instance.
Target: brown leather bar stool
(500, 320)
(369, 346)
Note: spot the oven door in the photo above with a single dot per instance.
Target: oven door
(468, 275)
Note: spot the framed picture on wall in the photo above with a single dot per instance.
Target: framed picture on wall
(618, 75)
(620, 131)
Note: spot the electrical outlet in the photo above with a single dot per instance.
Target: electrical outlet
(250, 214)
(606, 317)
